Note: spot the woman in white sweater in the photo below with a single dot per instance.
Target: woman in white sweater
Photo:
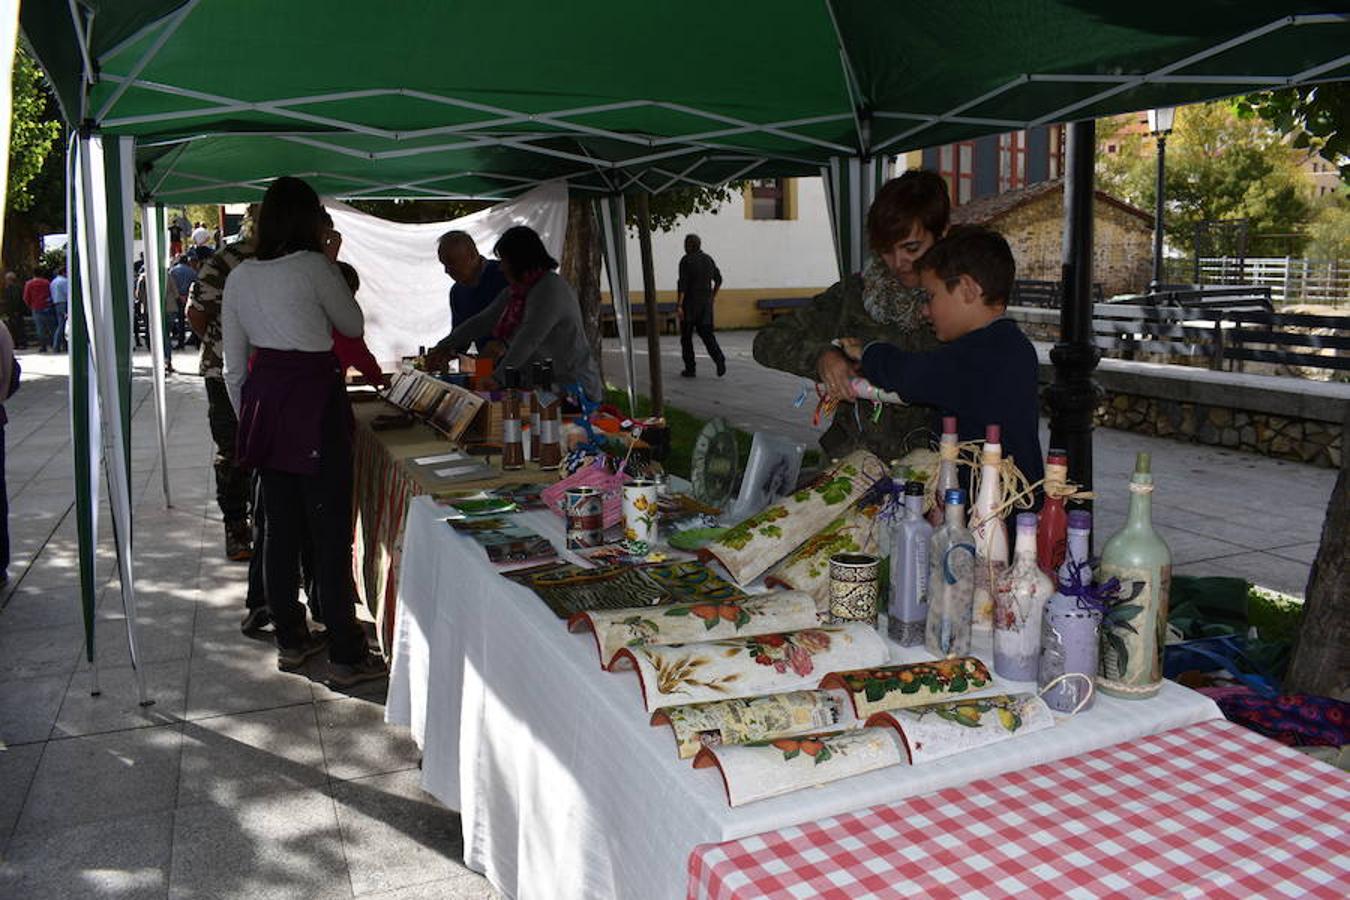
(277, 319)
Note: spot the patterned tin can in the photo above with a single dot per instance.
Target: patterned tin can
(853, 588)
(584, 512)
(639, 511)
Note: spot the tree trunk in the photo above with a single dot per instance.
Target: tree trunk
(653, 326)
(1321, 663)
(580, 266)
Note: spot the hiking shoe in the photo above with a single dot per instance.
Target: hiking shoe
(368, 668)
(255, 620)
(291, 658)
(688, 373)
(238, 542)
(721, 368)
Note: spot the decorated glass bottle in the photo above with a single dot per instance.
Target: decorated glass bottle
(951, 582)
(991, 534)
(513, 450)
(907, 613)
(1071, 628)
(532, 403)
(550, 409)
(948, 478)
(1020, 594)
(1135, 622)
(1053, 525)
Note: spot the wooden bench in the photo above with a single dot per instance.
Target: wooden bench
(781, 306)
(1247, 298)
(1045, 294)
(665, 313)
(1221, 334)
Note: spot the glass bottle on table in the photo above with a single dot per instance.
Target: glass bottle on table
(951, 581)
(1053, 526)
(1135, 623)
(1019, 603)
(513, 450)
(550, 415)
(991, 534)
(907, 613)
(948, 478)
(532, 396)
(1071, 628)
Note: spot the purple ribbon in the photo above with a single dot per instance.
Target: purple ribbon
(1089, 595)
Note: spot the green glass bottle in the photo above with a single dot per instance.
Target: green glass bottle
(1134, 628)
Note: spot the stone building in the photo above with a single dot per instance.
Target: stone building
(1032, 219)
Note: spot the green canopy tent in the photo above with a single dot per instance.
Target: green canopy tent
(420, 98)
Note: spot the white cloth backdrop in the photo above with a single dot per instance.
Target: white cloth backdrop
(405, 292)
(564, 789)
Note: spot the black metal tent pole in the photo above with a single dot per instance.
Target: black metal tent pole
(1073, 395)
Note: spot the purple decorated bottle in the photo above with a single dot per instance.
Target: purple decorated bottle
(1071, 628)
(1020, 594)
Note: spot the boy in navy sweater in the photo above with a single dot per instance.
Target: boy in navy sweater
(986, 371)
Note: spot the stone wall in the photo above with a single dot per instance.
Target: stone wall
(1282, 437)
(1122, 248)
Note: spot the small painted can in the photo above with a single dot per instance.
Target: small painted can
(584, 512)
(639, 511)
(853, 588)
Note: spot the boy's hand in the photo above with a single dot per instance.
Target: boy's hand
(834, 370)
(852, 347)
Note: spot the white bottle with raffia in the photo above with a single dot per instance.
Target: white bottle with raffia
(1135, 624)
(991, 534)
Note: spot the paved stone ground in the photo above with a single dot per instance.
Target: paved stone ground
(1222, 512)
(242, 782)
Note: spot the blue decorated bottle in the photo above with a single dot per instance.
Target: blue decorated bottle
(1070, 630)
(907, 613)
(951, 582)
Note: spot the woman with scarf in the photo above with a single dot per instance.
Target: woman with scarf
(882, 303)
(536, 318)
(279, 313)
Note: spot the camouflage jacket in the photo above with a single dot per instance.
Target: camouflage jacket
(872, 306)
(205, 295)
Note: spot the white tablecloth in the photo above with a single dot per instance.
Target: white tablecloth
(564, 789)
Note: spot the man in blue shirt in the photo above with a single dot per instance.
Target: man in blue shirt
(181, 277)
(60, 305)
(478, 281)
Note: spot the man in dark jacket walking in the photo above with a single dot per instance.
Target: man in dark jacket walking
(694, 294)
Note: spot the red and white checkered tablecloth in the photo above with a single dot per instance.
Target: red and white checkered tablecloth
(1210, 810)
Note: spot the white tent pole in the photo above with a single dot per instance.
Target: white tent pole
(103, 350)
(153, 232)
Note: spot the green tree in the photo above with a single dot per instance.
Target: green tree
(1219, 166)
(669, 207)
(33, 133)
(1318, 116)
(1329, 233)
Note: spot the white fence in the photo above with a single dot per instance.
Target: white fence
(1291, 280)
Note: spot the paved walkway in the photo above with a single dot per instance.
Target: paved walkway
(242, 782)
(1222, 512)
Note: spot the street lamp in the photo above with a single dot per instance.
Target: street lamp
(1159, 125)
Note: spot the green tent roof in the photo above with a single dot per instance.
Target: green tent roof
(431, 98)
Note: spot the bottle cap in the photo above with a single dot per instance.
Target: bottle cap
(949, 424)
(954, 497)
(1057, 457)
(992, 434)
(1026, 521)
(510, 378)
(1142, 463)
(914, 489)
(1080, 520)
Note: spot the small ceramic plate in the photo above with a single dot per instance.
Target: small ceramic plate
(694, 538)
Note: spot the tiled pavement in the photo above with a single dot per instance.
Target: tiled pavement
(242, 782)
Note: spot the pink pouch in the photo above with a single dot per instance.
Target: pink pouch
(596, 475)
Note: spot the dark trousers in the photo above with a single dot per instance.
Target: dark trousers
(232, 483)
(700, 320)
(319, 505)
(257, 582)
